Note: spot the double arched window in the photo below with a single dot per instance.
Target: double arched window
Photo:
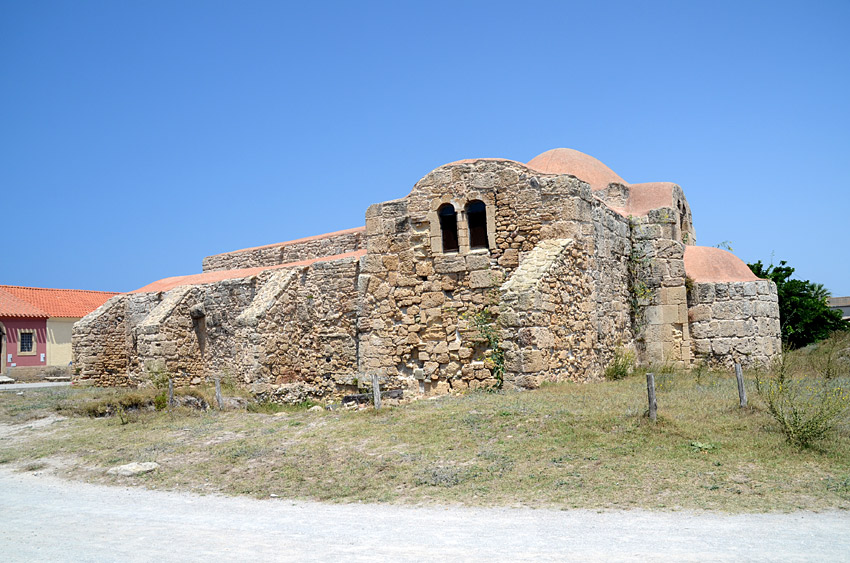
(476, 223)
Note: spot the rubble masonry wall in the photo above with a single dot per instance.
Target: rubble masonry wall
(417, 301)
(285, 327)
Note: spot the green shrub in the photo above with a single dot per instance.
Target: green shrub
(807, 410)
(160, 401)
(621, 365)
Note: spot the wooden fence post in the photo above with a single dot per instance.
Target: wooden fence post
(376, 391)
(742, 392)
(650, 391)
(170, 392)
(218, 393)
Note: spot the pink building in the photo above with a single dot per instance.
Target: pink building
(36, 324)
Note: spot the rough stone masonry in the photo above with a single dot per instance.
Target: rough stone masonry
(489, 269)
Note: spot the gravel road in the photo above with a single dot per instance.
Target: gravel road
(48, 519)
(25, 386)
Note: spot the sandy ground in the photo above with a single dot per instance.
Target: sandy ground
(48, 519)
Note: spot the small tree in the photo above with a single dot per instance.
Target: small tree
(804, 314)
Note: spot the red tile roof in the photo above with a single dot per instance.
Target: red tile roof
(11, 306)
(38, 302)
(167, 284)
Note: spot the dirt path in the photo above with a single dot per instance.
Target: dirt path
(48, 519)
(9, 431)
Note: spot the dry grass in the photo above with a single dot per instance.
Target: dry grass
(565, 445)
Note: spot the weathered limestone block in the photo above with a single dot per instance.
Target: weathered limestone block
(479, 279)
(478, 261)
(450, 263)
(372, 264)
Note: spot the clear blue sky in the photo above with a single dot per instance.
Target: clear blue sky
(138, 137)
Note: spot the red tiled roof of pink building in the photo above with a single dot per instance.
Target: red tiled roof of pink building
(11, 306)
(167, 284)
(38, 302)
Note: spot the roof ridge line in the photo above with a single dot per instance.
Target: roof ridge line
(58, 289)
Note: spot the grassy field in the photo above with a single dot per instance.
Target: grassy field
(564, 445)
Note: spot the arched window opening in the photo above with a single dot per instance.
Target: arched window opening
(448, 226)
(476, 218)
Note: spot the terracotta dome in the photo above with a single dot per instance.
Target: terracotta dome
(648, 196)
(642, 198)
(709, 264)
(582, 166)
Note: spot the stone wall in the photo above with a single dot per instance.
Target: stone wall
(609, 250)
(331, 244)
(735, 322)
(190, 334)
(417, 301)
(301, 333)
(547, 316)
(290, 329)
(659, 306)
(104, 344)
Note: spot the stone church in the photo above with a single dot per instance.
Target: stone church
(489, 271)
